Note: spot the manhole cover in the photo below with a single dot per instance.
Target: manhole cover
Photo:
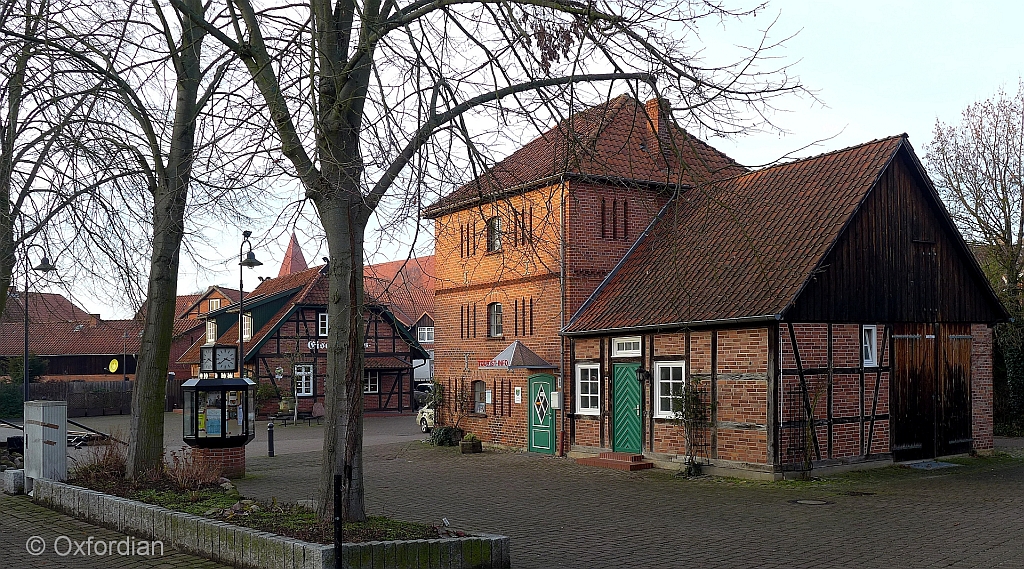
(810, 502)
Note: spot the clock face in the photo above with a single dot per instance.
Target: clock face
(206, 359)
(225, 359)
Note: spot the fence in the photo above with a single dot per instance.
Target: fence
(87, 398)
(174, 399)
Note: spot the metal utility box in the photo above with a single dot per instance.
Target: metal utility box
(46, 436)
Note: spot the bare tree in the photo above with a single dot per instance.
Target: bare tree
(371, 98)
(152, 122)
(978, 166)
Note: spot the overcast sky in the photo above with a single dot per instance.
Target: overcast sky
(879, 68)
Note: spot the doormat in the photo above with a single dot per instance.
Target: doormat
(930, 465)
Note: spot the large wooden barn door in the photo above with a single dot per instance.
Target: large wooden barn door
(930, 405)
(955, 393)
(912, 399)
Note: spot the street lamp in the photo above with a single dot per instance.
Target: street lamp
(244, 260)
(44, 266)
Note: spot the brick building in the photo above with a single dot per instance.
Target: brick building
(826, 310)
(519, 249)
(285, 329)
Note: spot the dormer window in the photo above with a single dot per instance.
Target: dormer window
(211, 331)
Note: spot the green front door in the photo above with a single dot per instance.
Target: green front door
(626, 409)
(542, 423)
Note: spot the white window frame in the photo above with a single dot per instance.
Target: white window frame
(594, 380)
(322, 324)
(619, 352)
(479, 397)
(247, 326)
(869, 345)
(494, 234)
(425, 334)
(495, 326)
(213, 304)
(371, 382)
(659, 409)
(211, 331)
(303, 380)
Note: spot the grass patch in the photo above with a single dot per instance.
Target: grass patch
(386, 529)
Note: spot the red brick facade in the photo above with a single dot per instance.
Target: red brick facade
(230, 460)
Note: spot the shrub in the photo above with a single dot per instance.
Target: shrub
(192, 471)
(445, 436)
(103, 464)
(11, 400)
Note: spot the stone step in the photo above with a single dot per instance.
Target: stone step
(603, 462)
(624, 456)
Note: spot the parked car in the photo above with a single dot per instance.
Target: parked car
(422, 393)
(425, 418)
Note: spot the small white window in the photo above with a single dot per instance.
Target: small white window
(588, 389)
(479, 397)
(425, 334)
(304, 380)
(214, 304)
(321, 324)
(671, 378)
(494, 234)
(869, 345)
(211, 331)
(494, 327)
(247, 326)
(625, 347)
(371, 382)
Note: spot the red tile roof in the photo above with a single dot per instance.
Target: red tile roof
(42, 307)
(738, 248)
(71, 338)
(406, 287)
(293, 262)
(621, 139)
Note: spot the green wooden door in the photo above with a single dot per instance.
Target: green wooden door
(542, 423)
(626, 409)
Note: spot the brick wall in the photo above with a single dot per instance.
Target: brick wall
(230, 460)
(981, 387)
(852, 394)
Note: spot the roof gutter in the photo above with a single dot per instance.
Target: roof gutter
(719, 322)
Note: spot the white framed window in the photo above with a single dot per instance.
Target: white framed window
(494, 234)
(211, 331)
(321, 324)
(494, 329)
(304, 380)
(869, 345)
(479, 397)
(371, 381)
(214, 304)
(425, 334)
(247, 326)
(670, 378)
(588, 389)
(626, 346)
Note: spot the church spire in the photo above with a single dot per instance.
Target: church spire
(293, 262)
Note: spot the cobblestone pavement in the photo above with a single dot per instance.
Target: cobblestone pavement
(21, 520)
(560, 514)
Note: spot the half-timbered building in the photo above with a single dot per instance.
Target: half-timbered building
(828, 309)
(285, 333)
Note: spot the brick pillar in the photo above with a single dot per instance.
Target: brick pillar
(231, 460)
(981, 388)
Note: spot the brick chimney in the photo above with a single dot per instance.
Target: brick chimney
(658, 116)
(94, 320)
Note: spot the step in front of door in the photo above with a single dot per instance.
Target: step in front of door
(617, 461)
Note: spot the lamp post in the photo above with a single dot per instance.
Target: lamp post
(44, 266)
(244, 260)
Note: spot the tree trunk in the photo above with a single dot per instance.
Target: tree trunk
(344, 221)
(146, 443)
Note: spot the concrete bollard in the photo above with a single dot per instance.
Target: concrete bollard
(14, 481)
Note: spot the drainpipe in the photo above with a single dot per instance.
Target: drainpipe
(561, 315)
